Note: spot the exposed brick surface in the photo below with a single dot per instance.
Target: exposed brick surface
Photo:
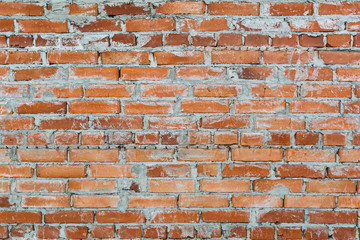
(179, 119)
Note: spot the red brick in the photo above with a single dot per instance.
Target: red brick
(246, 170)
(126, 9)
(265, 185)
(281, 216)
(125, 58)
(45, 201)
(287, 57)
(285, 41)
(64, 123)
(177, 40)
(42, 73)
(203, 40)
(61, 91)
(227, 216)
(209, 170)
(155, 232)
(279, 138)
(348, 201)
(256, 40)
(339, 8)
(103, 231)
(258, 233)
(177, 122)
(151, 202)
(48, 232)
(18, 8)
(111, 171)
(20, 41)
(25, 123)
(208, 231)
(343, 172)
(83, 9)
(338, 40)
(260, 106)
(21, 230)
(218, 90)
(334, 123)
(20, 217)
(244, 201)
(114, 122)
(109, 90)
(163, 90)
(203, 201)
(179, 58)
(148, 25)
(229, 8)
(181, 7)
(72, 57)
(204, 106)
(328, 25)
(339, 57)
(304, 201)
(75, 232)
(119, 217)
(224, 185)
(129, 232)
(310, 155)
(331, 186)
(149, 155)
(290, 9)
(300, 171)
(148, 107)
(204, 25)
(171, 186)
(311, 41)
(41, 155)
(61, 171)
(78, 73)
(20, 57)
(318, 233)
(41, 107)
(7, 25)
(228, 138)
(256, 154)
(233, 56)
(94, 107)
(175, 216)
(51, 186)
(229, 39)
(69, 217)
(95, 201)
(100, 25)
(280, 123)
(334, 139)
(225, 122)
(289, 233)
(42, 26)
(199, 73)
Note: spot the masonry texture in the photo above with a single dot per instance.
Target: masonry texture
(179, 119)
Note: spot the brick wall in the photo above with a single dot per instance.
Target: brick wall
(179, 119)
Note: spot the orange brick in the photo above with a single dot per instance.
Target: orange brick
(229, 8)
(224, 185)
(305, 201)
(42, 26)
(147, 25)
(164, 186)
(181, 7)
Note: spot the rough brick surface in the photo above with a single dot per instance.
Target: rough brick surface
(179, 119)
